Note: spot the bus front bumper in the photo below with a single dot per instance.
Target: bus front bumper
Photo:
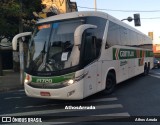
(71, 92)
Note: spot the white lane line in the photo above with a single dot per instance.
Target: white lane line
(45, 112)
(156, 73)
(154, 76)
(95, 100)
(103, 99)
(13, 98)
(19, 93)
(124, 114)
(22, 90)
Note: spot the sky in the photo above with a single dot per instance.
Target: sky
(147, 25)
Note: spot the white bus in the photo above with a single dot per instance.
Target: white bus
(74, 55)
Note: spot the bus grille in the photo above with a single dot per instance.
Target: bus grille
(47, 85)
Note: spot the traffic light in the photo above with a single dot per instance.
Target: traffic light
(137, 21)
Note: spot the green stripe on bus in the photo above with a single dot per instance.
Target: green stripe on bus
(54, 79)
(120, 53)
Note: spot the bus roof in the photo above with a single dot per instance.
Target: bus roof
(88, 13)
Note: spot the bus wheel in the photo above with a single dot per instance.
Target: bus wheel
(145, 70)
(110, 83)
(148, 68)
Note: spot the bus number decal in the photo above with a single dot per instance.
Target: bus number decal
(44, 80)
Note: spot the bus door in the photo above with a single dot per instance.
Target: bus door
(90, 79)
(91, 65)
(123, 69)
(131, 68)
(99, 76)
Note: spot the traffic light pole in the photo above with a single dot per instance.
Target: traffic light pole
(95, 5)
(137, 21)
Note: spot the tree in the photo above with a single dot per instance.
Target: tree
(13, 15)
(9, 13)
(28, 7)
(14, 11)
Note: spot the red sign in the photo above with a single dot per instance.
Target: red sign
(156, 48)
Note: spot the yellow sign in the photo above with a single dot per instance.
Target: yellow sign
(59, 5)
(150, 34)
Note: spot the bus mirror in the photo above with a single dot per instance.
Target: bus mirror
(15, 39)
(79, 31)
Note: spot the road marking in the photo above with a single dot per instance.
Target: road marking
(13, 98)
(157, 73)
(22, 90)
(80, 117)
(103, 99)
(45, 112)
(94, 100)
(93, 117)
(154, 76)
(124, 114)
(19, 93)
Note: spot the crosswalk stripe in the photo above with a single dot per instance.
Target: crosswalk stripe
(103, 99)
(111, 116)
(124, 114)
(91, 118)
(13, 98)
(154, 76)
(45, 112)
(22, 90)
(87, 101)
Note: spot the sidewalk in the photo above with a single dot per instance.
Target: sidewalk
(10, 81)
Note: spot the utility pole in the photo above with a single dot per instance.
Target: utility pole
(21, 50)
(95, 5)
(16, 54)
(20, 19)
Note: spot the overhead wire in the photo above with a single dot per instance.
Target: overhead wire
(121, 10)
(140, 11)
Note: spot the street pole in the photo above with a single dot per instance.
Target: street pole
(95, 5)
(21, 50)
(21, 56)
(1, 70)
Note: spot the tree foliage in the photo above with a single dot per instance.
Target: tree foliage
(14, 11)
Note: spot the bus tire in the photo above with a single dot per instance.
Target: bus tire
(148, 68)
(145, 69)
(110, 83)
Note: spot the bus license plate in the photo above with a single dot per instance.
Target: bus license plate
(45, 94)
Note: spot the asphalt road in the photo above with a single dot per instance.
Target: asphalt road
(136, 97)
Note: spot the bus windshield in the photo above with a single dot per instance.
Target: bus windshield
(50, 48)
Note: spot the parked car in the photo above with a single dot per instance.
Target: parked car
(156, 63)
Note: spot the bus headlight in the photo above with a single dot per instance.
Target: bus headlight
(71, 81)
(76, 79)
(27, 79)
